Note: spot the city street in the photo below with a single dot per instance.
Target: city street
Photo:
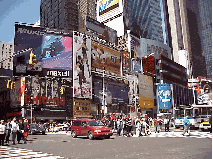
(163, 145)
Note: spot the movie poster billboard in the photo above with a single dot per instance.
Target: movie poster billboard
(82, 79)
(104, 57)
(146, 94)
(16, 94)
(133, 87)
(56, 52)
(164, 96)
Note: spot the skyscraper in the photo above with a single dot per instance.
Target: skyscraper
(205, 13)
(180, 32)
(146, 18)
(66, 14)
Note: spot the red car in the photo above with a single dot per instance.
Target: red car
(90, 128)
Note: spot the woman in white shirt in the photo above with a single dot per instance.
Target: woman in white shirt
(2, 132)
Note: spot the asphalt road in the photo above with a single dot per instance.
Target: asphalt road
(120, 147)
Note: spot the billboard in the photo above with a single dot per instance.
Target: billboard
(16, 94)
(133, 87)
(146, 94)
(56, 52)
(82, 79)
(26, 37)
(97, 29)
(53, 50)
(108, 9)
(164, 96)
(135, 47)
(149, 46)
(105, 57)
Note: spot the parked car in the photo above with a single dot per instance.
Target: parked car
(63, 127)
(36, 129)
(205, 126)
(90, 128)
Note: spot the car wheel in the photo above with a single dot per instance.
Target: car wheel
(74, 134)
(108, 137)
(60, 129)
(90, 135)
(43, 133)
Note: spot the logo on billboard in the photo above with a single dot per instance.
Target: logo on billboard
(164, 96)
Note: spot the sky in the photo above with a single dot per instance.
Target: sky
(11, 11)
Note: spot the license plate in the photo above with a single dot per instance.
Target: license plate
(181, 123)
(106, 134)
(205, 127)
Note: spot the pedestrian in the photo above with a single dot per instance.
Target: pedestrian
(160, 123)
(26, 130)
(166, 124)
(138, 128)
(14, 129)
(119, 127)
(8, 130)
(210, 121)
(2, 132)
(19, 131)
(129, 126)
(156, 125)
(186, 124)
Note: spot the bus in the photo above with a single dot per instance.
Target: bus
(202, 112)
(183, 111)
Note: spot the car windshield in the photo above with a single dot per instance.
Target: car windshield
(95, 123)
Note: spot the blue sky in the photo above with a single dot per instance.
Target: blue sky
(11, 11)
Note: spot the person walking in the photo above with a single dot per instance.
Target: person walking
(19, 131)
(186, 123)
(166, 124)
(14, 129)
(2, 132)
(26, 130)
(156, 125)
(8, 131)
(210, 120)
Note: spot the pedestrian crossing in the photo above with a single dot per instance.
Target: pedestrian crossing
(195, 134)
(19, 153)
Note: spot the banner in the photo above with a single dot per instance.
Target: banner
(164, 96)
(82, 79)
(105, 57)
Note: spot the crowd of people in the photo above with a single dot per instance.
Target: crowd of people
(138, 126)
(18, 130)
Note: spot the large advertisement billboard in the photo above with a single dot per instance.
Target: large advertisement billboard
(97, 29)
(164, 96)
(149, 46)
(56, 52)
(146, 94)
(108, 9)
(82, 79)
(52, 50)
(104, 57)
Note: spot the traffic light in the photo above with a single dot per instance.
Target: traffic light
(61, 90)
(32, 59)
(12, 85)
(8, 83)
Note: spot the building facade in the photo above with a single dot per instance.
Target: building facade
(66, 14)
(6, 50)
(179, 31)
(147, 19)
(205, 13)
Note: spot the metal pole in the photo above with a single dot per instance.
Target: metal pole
(31, 113)
(103, 91)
